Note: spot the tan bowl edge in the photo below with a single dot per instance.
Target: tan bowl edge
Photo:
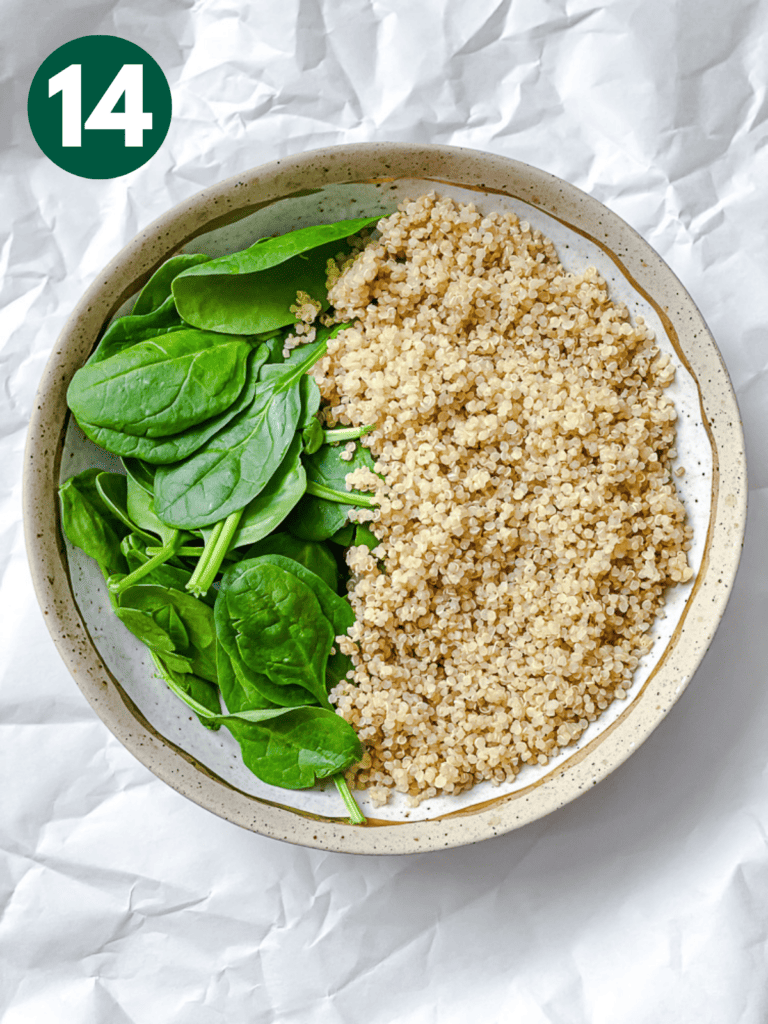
(235, 197)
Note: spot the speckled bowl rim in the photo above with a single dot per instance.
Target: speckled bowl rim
(233, 198)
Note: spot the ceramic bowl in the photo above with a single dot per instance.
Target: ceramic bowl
(111, 667)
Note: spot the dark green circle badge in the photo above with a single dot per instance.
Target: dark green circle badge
(99, 106)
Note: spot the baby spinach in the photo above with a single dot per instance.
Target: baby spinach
(113, 491)
(132, 504)
(155, 635)
(312, 746)
(316, 557)
(344, 536)
(161, 451)
(324, 509)
(316, 519)
(234, 466)
(220, 438)
(272, 623)
(249, 669)
(209, 713)
(250, 292)
(312, 436)
(285, 487)
(157, 290)
(90, 523)
(308, 424)
(185, 621)
(365, 536)
(260, 691)
(140, 509)
(355, 534)
(161, 386)
(130, 330)
(268, 509)
(198, 694)
(336, 609)
(298, 748)
(310, 401)
(117, 584)
(141, 473)
(275, 342)
(240, 693)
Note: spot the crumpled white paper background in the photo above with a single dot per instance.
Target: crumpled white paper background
(647, 899)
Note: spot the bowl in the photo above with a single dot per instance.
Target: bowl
(111, 667)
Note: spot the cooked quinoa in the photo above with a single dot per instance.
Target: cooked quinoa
(528, 519)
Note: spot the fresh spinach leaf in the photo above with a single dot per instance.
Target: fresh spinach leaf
(344, 536)
(312, 436)
(140, 515)
(161, 451)
(310, 401)
(140, 507)
(327, 474)
(90, 524)
(335, 608)
(198, 694)
(275, 342)
(235, 465)
(260, 690)
(186, 622)
(153, 634)
(319, 518)
(242, 689)
(127, 331)
(157, 290)
(268, 509)
(141, 472)
(240, 694)
(298, 748)
(314, 556)
(365, 536)
(250, 292)
(113, 490)
(269, 252)
(272, 621)
(162, 386)
(235, 433)
(208, 713)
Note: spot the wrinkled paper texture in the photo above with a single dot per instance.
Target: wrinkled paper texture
(646, 899)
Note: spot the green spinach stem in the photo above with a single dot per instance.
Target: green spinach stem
(185, 551)
(199, 569)
(356, 816)
(214, 552)
(346, 433)
(342, 497)
(168, 550)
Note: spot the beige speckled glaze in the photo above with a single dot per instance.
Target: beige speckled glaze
(235, 198)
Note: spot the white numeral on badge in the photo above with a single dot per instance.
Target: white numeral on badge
(128, 82)
(67, 82)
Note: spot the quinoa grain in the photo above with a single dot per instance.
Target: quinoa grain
(528, 521)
